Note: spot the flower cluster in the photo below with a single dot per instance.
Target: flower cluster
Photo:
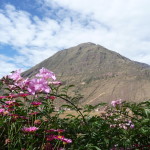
(3, 111)
(116, 102)
(125, 125)
(59, 137)
(36, 103)
(16, 75)
(46, 74)
(29, 129)
(28, 112)
(36, 85)
(27, 104)
(14, 95)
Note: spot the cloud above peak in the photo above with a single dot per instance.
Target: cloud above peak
(127, 23)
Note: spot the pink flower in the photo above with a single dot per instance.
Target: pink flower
(6, 113)
(46, 74)
(10, 102)
(2, 110)
(14, 116)
(38, 85)
(58, 137)
(12, 87)
(124, 127)
(16, 75)
(51, 97)
(65, 140)
(23, 83)
(50, 137)
(112, 126)
(51, 130)
(36, 103)
(23, 95)
(116, 102)
(62, 138)
(132, 126)
(60, 130)
(120, 125)
(1, 97)
(14, 95)
(29, 129)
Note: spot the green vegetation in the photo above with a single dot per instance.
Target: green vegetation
(30, 121)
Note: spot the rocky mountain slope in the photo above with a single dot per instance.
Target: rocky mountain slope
(98, 73)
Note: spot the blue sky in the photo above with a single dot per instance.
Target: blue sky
(33, 30)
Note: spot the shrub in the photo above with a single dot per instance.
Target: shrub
(29, 120)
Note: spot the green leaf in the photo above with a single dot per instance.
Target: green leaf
(147, 112)
(95, 147)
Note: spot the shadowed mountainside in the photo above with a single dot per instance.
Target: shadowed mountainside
(98, 73)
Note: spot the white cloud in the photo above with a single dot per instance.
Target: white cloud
(127, 22)
(6, 66)
(119, 25)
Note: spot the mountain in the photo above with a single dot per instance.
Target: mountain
(98, 73)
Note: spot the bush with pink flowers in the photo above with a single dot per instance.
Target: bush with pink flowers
(30, 121)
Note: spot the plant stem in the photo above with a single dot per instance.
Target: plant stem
(77, 109)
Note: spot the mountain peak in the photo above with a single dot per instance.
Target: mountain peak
(87, 43)
(96, 70)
